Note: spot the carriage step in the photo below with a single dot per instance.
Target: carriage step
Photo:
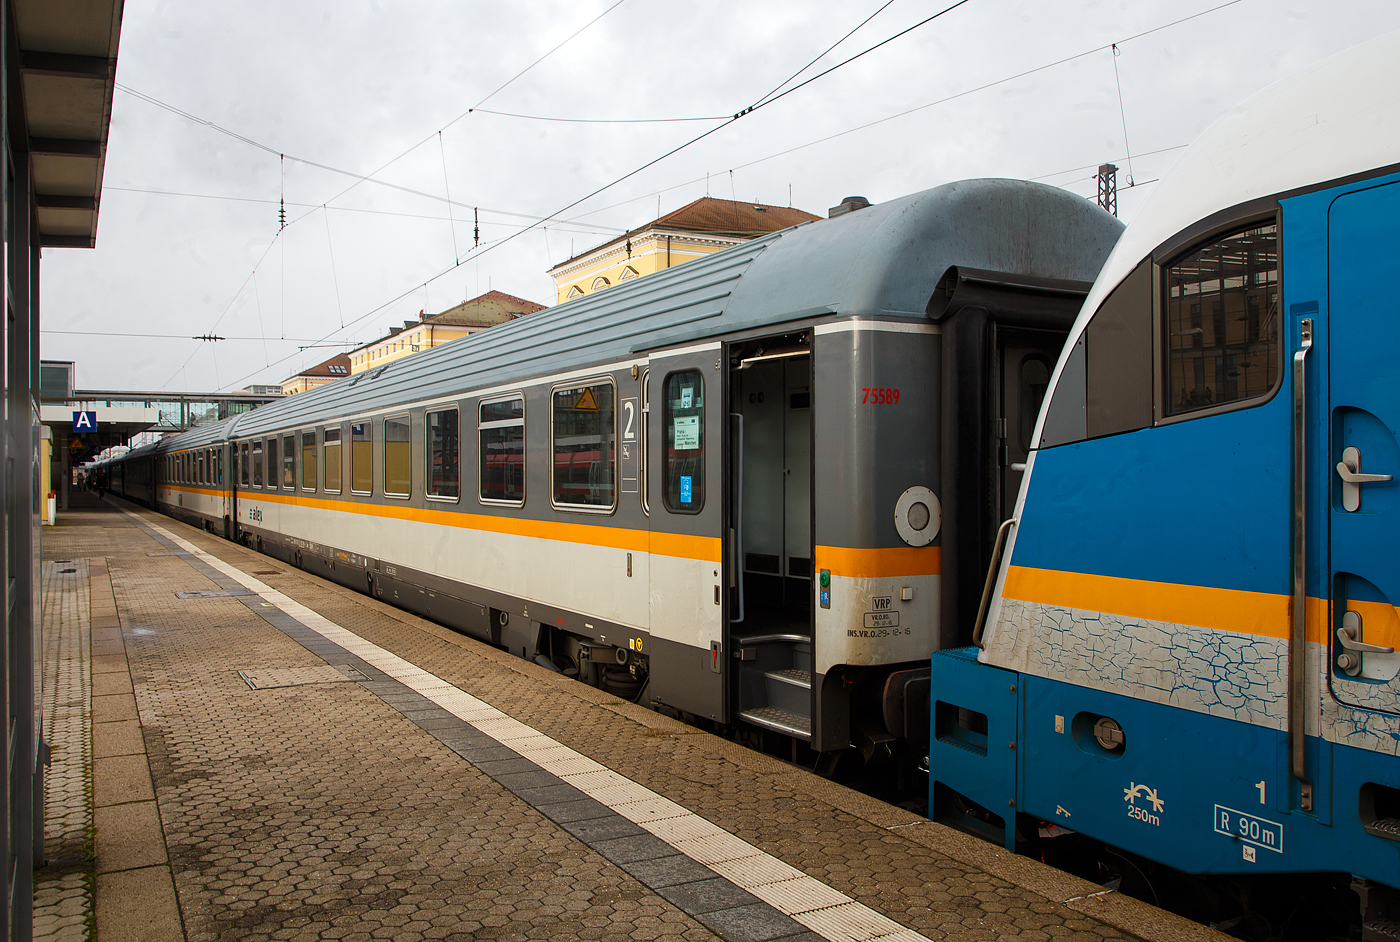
(1385, 827)
(780, 721)
(793, 676)
(789, 690)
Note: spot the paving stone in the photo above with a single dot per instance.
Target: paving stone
(324, 812)
(128, 836)
(122, 738)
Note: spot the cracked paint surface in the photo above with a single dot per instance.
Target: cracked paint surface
(1232, 675)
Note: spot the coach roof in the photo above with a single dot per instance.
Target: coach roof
(883, 261)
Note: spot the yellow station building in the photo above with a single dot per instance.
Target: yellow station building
(319, 375)
(699, 228)
(487, 310)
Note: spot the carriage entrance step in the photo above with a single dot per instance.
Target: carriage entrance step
(789, 690)
(793, 676)
(1388, 828)
(780, 721)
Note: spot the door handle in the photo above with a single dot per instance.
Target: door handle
(1349, 470)
(1349, 661)
(1347, 636)
(1354, 477)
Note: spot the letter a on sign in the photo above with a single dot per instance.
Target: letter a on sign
(84, 421)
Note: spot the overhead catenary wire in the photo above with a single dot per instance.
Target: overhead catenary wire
(447, 188)
(335, 278)
(828, 49)
(931, 104)
(1123, 114)
(476, 254)
(586, 227)
(553, 217)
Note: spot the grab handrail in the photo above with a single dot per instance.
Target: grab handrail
(992, 571)
(736, 568)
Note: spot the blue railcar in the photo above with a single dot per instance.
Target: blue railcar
(1188, 644)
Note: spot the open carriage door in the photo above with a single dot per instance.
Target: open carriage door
(223, 485)
(684, 433)
(1363, 462)
(769, 525)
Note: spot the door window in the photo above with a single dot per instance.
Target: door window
(683, 459)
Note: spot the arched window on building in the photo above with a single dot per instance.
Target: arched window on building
(574, 292)
(628, 272)
(600, 283)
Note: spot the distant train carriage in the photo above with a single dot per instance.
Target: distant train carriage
(758, 488)
(1191, 649)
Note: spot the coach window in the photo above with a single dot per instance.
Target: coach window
(289, 462)
(583, 447)
(333, 460)
(361, 457)
(272, 469)
(684, 460)
(444, 455)
(398, 460)
(308, 461)
(1221, 321)
(257, 463)
(244, 464)
(501, 427)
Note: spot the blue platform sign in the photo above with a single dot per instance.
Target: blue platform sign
(84, 421)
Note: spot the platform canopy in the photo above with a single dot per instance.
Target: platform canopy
(67, 65)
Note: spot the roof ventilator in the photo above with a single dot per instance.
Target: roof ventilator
(848, 205)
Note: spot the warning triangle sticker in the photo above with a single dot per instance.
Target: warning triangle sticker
(586, 402)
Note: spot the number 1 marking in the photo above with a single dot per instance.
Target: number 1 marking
(1260, 786)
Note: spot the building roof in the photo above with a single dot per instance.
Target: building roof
(485, 310)
(715, 217)
(493, 307)
(336, 367)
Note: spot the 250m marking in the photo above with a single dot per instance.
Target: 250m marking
(878, 396)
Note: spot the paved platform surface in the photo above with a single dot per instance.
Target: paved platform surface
(287, 759)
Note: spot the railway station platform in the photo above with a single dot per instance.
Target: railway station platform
(242, 751)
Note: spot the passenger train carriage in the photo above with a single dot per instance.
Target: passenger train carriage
(758, 488)
(1190, 652)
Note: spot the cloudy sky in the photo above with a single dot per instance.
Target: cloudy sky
(305, 99)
